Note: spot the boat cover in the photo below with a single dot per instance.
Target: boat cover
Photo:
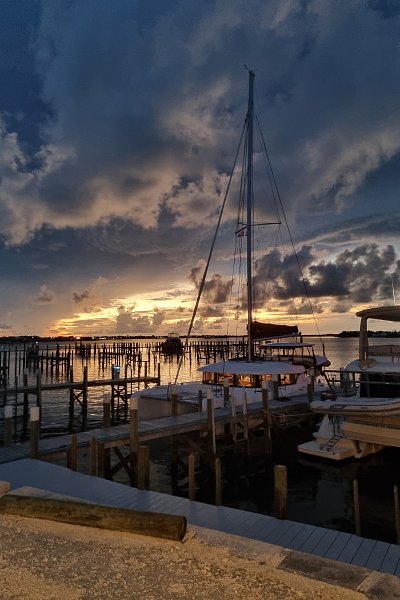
(260, 330)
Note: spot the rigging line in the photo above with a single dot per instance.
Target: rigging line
(203, 280)
(289, 233)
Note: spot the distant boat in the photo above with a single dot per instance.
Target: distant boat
(285, 370)
(172, 344)
(362, 414)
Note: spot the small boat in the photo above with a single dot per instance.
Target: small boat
(361, 413)
(283, 368)
(172, 344)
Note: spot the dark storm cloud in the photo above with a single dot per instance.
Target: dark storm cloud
(119, 131)
(79, 297)
(363, 275)
(125, 136)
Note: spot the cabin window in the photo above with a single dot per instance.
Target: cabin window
(245, 381)
(208, 378)
(222, 376)
(287, 379)
(379, 385)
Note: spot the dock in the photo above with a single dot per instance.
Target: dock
(283, 534)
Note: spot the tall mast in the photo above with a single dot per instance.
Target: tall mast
(249, 229)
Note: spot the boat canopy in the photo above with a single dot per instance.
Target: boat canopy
(384, 313)
(271, 331)
(260, 367)
(372, 366)
(285, 345)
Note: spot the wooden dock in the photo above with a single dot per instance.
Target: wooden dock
(147, 430)
(315, 541)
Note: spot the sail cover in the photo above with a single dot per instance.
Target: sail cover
(270, 330)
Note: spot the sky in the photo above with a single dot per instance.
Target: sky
(119, 125)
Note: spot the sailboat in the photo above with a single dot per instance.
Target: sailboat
(285, 367)
(362, 413)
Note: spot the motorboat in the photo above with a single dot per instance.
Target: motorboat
(361, 413)
(172, 344)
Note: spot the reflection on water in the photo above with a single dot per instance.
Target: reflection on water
(320, 492)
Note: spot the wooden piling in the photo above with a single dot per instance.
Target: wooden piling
(266, 418)
(192, 481)
(106, 410)
(143, 468)
(281, 494)
(218, 482)
(93, 456)
(8, 425)
(211, 421)
(133, 435)
(174, 400)
(73, 453)
(34, 434)
(397, 512)
(356, 498)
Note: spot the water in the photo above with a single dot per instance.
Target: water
(319, 491)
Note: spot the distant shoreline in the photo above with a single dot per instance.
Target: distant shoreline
(104, 339)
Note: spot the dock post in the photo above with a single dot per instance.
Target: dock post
(39, 389)
(234, 422)
(356, 498)
(143, 468)
(397, 512)
(192, 481)
(35, 425)
(73, 453)
(25, 417)
(280, 478)
(85, 398)
(275, 387)
(200, 401)
(106, 410)
(226, 392)
(133, 436)
(8, 425)
(174, 401)
(266, 418)
(211, 421)
(310, 388)
(93, 456)
(218, 482)
(71, 406)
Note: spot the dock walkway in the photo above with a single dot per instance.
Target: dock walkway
(317, 541)
(148, 429)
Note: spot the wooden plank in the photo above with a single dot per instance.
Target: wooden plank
(313, 540)
(391, 560)
(350, 549)
(337, 546)
(377, 557)
(290, 534)
(301, 537)
(325, 542)
(364, 552)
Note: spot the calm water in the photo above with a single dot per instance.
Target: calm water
(320, 491)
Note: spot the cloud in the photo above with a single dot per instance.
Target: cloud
(127, 323)
(361, 275)
(45, 296)
(115, 157)
(78, 297)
